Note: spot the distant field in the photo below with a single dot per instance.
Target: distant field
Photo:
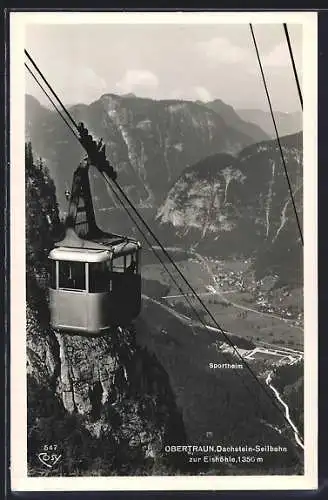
(229, 265)
(264, 355)
(252, 325)
(197, 276)
(149, 258)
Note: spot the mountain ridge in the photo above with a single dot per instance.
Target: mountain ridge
(233, 119)
(148, 142)
(287, 123)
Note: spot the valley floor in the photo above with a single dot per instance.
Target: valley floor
(240, 305)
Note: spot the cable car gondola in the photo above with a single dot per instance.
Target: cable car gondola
(95, 276)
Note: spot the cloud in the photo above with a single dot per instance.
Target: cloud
(177, 93)
(203, 94)
(85, 87)
(90, 80)
(221, 50)
(190, 94)
(136, 79)
(279, 57)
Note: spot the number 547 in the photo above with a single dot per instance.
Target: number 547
(50, 447)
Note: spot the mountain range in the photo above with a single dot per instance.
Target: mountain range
(287, 123)
(202, 174)
(149, 142)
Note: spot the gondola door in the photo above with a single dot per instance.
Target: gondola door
(70, 297)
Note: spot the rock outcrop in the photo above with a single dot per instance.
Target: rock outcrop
(116, 392)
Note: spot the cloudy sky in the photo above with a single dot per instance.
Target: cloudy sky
(204, 62)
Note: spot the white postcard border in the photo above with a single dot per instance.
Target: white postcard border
(19, 479)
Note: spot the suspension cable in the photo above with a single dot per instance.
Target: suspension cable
(293, 64)
(153, 249)
(146, 225)
(193, 290)
(185, 295)
(277, 134)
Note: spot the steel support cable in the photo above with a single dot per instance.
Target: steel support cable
(153, 249)
(201, 320)
(277, 134)
(155, 252)
(185, 295)
(197, 296)
(109, 180)
(293, 64)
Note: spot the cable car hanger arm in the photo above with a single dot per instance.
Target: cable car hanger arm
(96, 152)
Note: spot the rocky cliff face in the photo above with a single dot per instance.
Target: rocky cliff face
(229, 205)
(115, 393)
(149, 142)
(105, 403)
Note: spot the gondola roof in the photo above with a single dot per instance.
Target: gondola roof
(72, 247)
(79, 254)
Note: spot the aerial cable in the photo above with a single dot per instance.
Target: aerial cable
(193, 291)
(185, 295)
(277, 134)
(157, 254)
(293, 64)
(110, 181)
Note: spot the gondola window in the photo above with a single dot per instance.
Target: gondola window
(99, 278)
(131, 263)
(72, 275)
(53, 273)
(119, 264)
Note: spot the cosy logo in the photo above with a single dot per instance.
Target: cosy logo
(49, 459)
